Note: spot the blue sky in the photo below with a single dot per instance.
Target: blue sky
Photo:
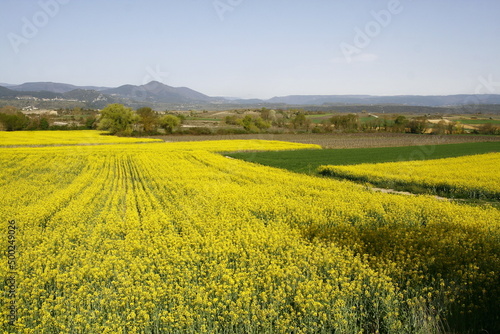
(256, 48)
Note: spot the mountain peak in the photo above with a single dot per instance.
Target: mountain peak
(155, 91)
(155, 83)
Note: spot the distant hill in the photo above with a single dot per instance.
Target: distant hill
(412, 100)
(7, 93)
(10, 93)
(161, 95)
(157, 92)
(50, 87)
(93, 98)
(44, 86)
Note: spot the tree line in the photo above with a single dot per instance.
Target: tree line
(121, 120)
(294, 120)
(115, 118)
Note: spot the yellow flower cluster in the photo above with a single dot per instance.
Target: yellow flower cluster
(475, 176)
(36, 138)
(174, 238)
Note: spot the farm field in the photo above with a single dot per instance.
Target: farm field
(41, 138)
(177, 238)
(473, 176)
(346, 140)
(309, 161)
(479, 121)
(319, 118)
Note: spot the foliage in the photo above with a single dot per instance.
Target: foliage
(400, 124)
(117, 119)
(418, 125)
(254, 124)
(169, 123)
(91, 122)
(374, 124)
(489, 129)
(148, 119)
(301, 122)
(349, 122)
(44, 123)
(14, 121)
(196, 131)
(268, 114)
(232, 120)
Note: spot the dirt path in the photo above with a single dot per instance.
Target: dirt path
(392, 191)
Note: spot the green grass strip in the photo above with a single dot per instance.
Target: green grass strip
(308, 161)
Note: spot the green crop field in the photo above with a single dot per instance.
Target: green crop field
(203, 119)
(479, 121)
(307, 161)
(317, 119)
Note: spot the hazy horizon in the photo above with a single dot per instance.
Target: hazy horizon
(257, 49)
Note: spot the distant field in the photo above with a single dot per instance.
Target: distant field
(346, 140)
(203, 119)
(309, 161)
(479, 121)
(317, 119)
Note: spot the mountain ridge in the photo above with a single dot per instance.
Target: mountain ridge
(157, 92)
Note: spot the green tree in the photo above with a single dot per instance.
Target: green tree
(90, 122)
(451, 127)
(373, 124)
(418, 125)
(489, 129)
(261, 124)
(169, 123)
(349, 122)
(232, 120)
(253, 124)
(248, 124)
(117, 119)
(400, 124)
(44, 123)
(14, 121)
(265, 113)
(268, 114)
(148, 119)
(301, 121)
(439, 128)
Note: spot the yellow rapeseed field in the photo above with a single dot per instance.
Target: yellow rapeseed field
(35, 138)
(176, 238)
(475, 176)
